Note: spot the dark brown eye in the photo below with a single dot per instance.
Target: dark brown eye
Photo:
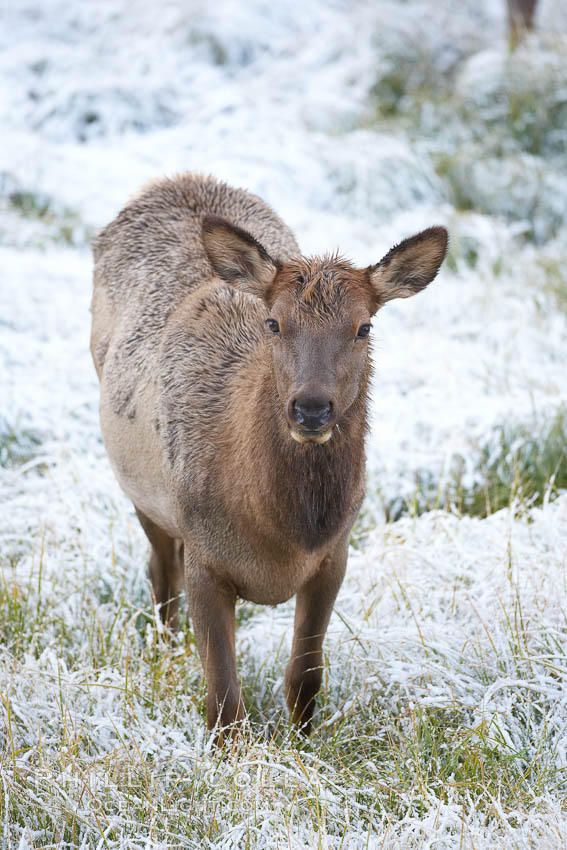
(273, 326)
(363, 331)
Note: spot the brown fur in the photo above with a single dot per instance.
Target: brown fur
(203, 408)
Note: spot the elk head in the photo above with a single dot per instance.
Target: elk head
(319, 315)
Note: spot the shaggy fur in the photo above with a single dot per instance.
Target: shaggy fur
(198, 408)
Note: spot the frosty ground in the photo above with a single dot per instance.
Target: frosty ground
(443, 717)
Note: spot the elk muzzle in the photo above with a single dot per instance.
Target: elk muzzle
(311, 418)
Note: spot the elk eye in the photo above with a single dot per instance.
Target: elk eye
(363, 331)
(273, 326)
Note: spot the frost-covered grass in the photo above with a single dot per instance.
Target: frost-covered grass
(442, 716)
(521, 465)
(442, 721)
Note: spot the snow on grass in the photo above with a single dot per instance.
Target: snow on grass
(443, 718)
(443, 710)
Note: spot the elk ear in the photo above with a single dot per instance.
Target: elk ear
(409, 266)
(237, 257)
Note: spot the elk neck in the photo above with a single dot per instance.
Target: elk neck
(303, 492)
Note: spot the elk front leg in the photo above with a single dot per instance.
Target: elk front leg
(313, 608)
(211, 604)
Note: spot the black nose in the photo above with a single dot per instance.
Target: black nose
(312, 413)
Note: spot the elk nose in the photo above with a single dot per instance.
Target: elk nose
(312, 413)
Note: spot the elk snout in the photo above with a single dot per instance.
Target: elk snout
(312, 413)
(311, 418)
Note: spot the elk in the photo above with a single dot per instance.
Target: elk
(234, 379)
